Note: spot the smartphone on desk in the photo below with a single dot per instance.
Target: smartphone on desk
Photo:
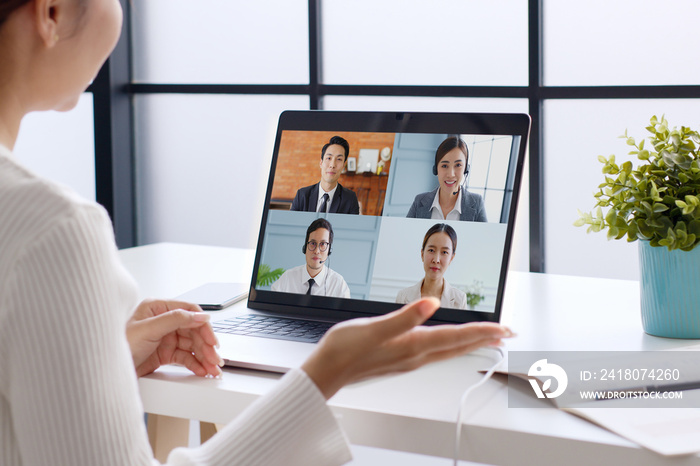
(215, 296)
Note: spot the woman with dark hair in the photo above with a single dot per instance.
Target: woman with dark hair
(450, 200)
(73, 337)
(439, 247)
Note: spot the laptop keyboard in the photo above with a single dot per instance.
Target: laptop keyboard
(273, 327)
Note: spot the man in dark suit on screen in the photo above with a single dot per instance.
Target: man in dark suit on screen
(328, 195)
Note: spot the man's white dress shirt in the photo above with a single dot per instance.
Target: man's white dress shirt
(327, 282)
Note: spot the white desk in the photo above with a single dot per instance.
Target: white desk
(416, 412)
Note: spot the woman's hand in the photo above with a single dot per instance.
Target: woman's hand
(367, 347)
(172, 332)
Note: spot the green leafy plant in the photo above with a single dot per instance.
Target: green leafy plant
(475, 294)
(659, 200)
(266, 276)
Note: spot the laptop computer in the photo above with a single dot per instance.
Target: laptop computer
(372, 244)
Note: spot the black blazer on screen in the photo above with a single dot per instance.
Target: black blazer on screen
(344, 200)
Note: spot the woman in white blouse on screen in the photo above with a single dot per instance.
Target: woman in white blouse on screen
(437, 253)
(73, 337)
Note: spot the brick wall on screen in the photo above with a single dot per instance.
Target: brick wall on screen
(298, 165)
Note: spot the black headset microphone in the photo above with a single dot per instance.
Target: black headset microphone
(330, 249)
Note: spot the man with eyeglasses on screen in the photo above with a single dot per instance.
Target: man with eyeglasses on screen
(314, 278)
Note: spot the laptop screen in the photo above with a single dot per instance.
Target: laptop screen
(368, 211)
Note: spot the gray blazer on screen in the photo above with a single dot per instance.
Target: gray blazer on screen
(472, 206)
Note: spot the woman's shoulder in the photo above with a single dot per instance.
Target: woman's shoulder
(452, 292)
(30, 205)
(456, 297)
(448, 288)
(421, 204)
(426, 195)
(411, 293)
(472, 197)
(473, 208)
(18, 181)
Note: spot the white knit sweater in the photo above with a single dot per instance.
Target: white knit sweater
(68, 391)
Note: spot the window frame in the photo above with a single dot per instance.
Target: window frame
(114, 90)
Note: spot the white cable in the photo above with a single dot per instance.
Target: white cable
(487, 375)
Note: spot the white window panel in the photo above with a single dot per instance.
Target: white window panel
(621, 42)
(203, 163)
(576, 132)
(414, 42)
(485, 170)
(425, 104)
(214, 41)
(498, 170)
(493, 203)
(479, 161)
(61, 146)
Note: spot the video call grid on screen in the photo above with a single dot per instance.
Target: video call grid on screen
(376, 255)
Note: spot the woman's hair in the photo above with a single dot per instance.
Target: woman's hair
(7, 7)
(442, 228)
(449, 144)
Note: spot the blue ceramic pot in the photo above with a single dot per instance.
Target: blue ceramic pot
(670, 291)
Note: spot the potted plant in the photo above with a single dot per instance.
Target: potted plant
(475, 294)
(658, 203)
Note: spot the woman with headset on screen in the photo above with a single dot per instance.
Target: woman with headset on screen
(450, 200)
(439, 247)
(73, 337)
